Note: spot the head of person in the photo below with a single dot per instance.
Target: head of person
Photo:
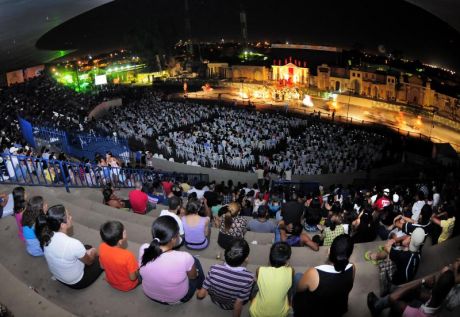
(193, 207)
(19, 199)
(138, 185)
(174, 203)
(386, 192)
(113, 233)
(262, 212)
(36, 206)
(233, 210)
(237, 252)
(425, 214)
(416, 240)
(56, 220)
(165, 232)
(442, 287)
(340, 252)
(280, 253)
(107, 193)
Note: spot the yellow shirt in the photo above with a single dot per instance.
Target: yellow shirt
(447, 229)
(271, 299)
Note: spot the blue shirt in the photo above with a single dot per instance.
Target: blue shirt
(32, 243)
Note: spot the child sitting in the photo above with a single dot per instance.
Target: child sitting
(274, 284)
(120, 265)
(230, 284)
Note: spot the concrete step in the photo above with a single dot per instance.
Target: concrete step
(34, 272)
(22, 300)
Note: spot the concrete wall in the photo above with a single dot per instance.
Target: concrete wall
(103, 107)
(251, 178)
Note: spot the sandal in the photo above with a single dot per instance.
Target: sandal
(367, 257)
(381, 248)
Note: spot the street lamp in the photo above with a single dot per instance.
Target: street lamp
(349, 97)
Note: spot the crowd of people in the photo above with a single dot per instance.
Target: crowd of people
(404, 218)
(205, 135)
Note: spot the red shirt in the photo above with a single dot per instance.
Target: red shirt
(167, 186)
(118, 264)
(138, 200)
(382, 202)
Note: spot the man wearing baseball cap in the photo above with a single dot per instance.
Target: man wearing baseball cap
(407, 263)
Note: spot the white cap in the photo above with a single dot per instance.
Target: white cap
(13, 149)
(395, 198)
(416, 239)
(386, 191)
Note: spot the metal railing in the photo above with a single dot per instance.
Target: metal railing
(33, 171)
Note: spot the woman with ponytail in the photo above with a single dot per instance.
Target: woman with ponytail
(71, 263)
(168, 276)
(232, 226)
(323, 290)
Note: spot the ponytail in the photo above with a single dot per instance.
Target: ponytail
(19, 199)
(47, 225)
(340, 252)
(340, 264)
(152, 252)
(164, 229)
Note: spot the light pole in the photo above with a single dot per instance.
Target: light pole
(349, 97)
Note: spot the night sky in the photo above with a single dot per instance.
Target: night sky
(390, 24)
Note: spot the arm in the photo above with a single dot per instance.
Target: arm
(202, 293)
(435, 220)
(192, 274)
(237, 307)
(89, 256)
(309, 281)
(206, 227)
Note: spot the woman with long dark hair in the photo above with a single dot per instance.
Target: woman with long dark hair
(35, 207)
(20, 202)
(168, 276)
(323, 290)
(70, 262)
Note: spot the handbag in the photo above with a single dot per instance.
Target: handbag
(386, 270)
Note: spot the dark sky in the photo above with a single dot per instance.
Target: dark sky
(395, 24)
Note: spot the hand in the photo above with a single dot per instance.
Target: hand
(92, 252)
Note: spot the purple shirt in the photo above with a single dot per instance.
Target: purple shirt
(165, 278)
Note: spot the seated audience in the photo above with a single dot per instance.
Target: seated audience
(196, 227)
(324, 290)
(120, 265)
(138, 199)
(70, 262)
(168, 276)
(232, 225)
(273, 284)
(261, 223)
(230, 284)
(35, 207)
(175, 204)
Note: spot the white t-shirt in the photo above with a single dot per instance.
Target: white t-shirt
(62, 255)
(8, 210)
(416, 209)
(199, 192)
(166, 212)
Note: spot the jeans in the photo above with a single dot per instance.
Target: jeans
(277, 234)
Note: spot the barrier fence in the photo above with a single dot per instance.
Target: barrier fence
(33, 171)
(77, 145)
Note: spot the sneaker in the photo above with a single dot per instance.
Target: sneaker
(371, 300)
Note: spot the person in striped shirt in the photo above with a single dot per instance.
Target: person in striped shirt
(229, 284)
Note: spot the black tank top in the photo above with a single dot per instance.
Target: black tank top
(330, 297)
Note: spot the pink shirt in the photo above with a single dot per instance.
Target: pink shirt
(19, 223)
(165, 279)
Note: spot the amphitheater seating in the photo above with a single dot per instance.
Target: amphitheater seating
(20, 270)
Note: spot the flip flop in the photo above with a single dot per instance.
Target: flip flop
(367, 257)
(381, 248)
